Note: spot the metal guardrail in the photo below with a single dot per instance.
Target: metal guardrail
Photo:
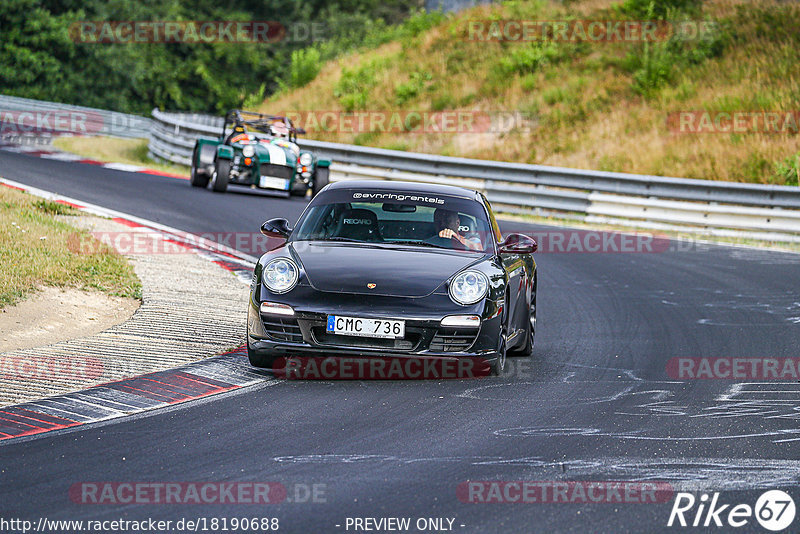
(24, 117)
(173, 134)
(694, 205)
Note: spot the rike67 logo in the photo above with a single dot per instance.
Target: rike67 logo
(774, 510)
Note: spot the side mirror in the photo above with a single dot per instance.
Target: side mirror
(300, 131)
(276, 228)
(518, 244)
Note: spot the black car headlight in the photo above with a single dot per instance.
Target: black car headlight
(280, 275)
(469, 287)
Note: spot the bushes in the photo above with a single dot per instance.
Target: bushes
(417, 83)
(655, 68)
(40, 59)
(347, 32)
(304, 67)
(787, 171)
(658, 10)
(654, 64)
(525, 59)
(353, 87)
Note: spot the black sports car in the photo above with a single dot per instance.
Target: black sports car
(376, 268)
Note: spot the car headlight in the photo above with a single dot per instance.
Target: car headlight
(280, 275)
(248, 151)
(469, 287)
(305, 159)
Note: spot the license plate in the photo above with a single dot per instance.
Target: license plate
(270, 182)
(357, 326)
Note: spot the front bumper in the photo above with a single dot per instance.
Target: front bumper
(265, 176)
(305, 334)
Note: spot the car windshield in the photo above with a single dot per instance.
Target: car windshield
(396, 218)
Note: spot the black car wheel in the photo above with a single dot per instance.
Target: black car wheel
(299, 191)
(198, 178)
(222, 171)
(499, 364)
(530, 334)
(260, 360)
(320, 180)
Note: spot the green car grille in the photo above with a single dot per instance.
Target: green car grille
(278, 171)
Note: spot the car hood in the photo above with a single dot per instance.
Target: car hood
(275, 154)
(395, 271)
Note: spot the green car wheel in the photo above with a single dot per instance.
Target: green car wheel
(321, 179)
(198, 178)
(219, 182)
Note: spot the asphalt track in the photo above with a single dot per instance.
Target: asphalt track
(594, 402)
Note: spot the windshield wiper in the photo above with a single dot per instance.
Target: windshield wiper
(378, 243)
(342, 239)
(416, 243)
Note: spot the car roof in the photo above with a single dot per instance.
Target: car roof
(415, 187)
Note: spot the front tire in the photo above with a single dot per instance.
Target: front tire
(530, 334)
(198, 178)
(222, 171)
(299, 192)
(263, 361)
(498, 366)
(321, 179)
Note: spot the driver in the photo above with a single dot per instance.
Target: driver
(447, 223)
(237, 135)
(280, 130)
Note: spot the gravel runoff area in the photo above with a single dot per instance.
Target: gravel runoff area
(191, 308)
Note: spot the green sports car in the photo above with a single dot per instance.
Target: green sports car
(259, 151)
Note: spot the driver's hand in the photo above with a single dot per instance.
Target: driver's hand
(447, 233)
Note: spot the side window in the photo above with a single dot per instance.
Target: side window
(495, 227)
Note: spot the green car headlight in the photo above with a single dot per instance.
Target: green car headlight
(305, 159)
(248, 151)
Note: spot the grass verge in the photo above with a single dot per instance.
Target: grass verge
(34, 251)
(582, 104)
(114, 150)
